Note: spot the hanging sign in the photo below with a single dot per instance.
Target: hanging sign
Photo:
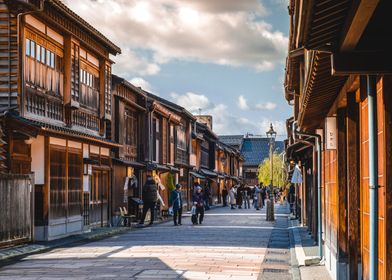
(331, 133)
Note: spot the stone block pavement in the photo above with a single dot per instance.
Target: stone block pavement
(231, 244)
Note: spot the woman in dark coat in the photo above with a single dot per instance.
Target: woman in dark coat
(198, 201)
(149, 198)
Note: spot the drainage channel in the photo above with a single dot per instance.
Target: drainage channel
(277, 261)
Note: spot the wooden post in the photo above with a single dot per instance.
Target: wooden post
(353, 190)
(387, 89)
(67, 69)
(46, 189)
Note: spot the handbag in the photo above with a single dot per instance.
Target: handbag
(193, 210)
(170, 211)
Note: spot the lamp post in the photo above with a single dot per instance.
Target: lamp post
(271, 135)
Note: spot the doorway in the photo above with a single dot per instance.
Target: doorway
(99, 198)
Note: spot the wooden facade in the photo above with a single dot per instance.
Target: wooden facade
(59, 111)
(90, 137)
(326, 82)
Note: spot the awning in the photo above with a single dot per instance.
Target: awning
(196, 175)
(208, 173)
(221, 176)
(173, 169)
(129, 162)
(156, 166)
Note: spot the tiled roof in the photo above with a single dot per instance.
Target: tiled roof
(255, 150)
(232, 140)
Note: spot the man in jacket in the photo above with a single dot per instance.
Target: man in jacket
(149, 198)
(176, 198)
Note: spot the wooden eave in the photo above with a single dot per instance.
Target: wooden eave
(36, 127)
(320, 91)
(61, 7)
(163, 111)
(326, 22)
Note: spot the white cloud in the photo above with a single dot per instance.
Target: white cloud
(224, 121)
(227, 32)
(242, 103)
(191, 101)
(140, 82)
(266, 106)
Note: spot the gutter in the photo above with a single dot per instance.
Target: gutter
(318, 150)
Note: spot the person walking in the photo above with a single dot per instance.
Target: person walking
(239, 201)
(245, 195)
(176, 197)
(198, 201)
(232, 197)
(150, 197)
(257, 197)
(224, 196)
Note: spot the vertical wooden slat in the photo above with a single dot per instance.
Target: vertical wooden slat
(342, 186)
(353, 190)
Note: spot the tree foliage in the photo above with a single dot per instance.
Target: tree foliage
(264, 173)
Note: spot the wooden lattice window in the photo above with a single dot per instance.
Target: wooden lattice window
(108, 89)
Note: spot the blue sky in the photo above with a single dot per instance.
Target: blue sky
(225, 57)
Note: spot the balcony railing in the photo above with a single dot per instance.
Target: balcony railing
(44, 105)
(85, 119)
(181, 156)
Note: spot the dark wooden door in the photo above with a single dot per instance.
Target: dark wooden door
(99, 198)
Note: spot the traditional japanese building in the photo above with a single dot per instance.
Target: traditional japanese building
(337, 79)
(55, 94)
(130, 130)
(170, 146)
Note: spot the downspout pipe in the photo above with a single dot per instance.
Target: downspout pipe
(318, 149)
(373, 177)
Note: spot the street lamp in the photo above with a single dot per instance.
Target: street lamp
(271, 135)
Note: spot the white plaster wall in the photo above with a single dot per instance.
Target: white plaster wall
(38, 159)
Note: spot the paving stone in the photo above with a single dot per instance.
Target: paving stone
(231, 244)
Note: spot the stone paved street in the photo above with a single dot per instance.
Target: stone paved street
(231, 244)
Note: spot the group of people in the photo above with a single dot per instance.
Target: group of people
(200, 201)
(239, 196)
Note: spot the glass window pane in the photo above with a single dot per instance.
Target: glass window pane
(38, 52)
(27, 47)
(48, 53)
(32, 50)
(52, 60)
(43, 54)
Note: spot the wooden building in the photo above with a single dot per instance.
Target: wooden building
(55, 91)
(337, 79)
(228, 164)
(169, 146)
(203, 158)
(130, 130)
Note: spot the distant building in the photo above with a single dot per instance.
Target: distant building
(254, 149)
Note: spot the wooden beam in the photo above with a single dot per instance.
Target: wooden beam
(352, 136)
(364, 63)
(362, 13)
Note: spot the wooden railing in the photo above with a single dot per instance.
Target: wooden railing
(84, 119)
(44, 105)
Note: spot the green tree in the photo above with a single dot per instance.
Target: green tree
(264, 171)
(170, 186)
